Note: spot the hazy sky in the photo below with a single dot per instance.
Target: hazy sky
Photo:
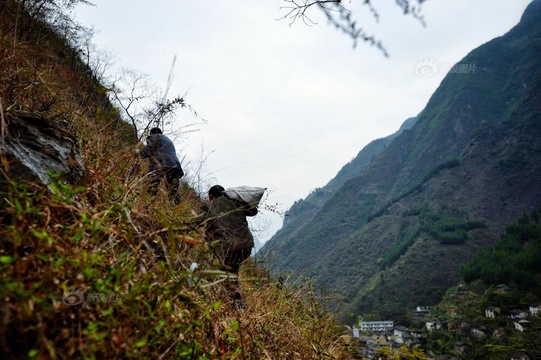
(288, 106)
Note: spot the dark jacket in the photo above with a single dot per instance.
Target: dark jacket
(227, 223)
(161, 152)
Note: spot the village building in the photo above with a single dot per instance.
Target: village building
(492, 312)
(422, 311)
(433, 325)
(480, 331)
(522, 325)
(401, 333)
(518, 314)
(535, 309)
(372, 326)
(519, 355)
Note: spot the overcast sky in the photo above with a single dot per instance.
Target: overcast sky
(288, 106)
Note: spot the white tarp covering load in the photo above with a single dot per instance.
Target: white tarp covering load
(247, 194)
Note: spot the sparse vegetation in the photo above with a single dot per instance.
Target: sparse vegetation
(443, 166)
(162, 305)
(99, 269)
(445, 225)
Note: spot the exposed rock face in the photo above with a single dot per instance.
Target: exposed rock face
(32, 146)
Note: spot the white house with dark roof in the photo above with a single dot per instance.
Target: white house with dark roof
(492, 312)
(422, 311)
(433, 325)
(518, 314)
(400, 333)
(535, 309)
(522, 325)
(480, 331)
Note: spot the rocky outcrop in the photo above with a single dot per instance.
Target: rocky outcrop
(32, 148)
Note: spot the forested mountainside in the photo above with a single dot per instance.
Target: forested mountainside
(396, 235)
(500, 282)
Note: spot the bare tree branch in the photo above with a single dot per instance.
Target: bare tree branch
(342, 18)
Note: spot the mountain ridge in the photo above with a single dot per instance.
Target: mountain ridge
(470, 159)
(312, 204)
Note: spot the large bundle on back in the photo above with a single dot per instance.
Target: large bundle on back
(245, 194)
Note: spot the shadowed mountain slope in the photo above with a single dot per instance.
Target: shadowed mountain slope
(302, 211)
(396, 235)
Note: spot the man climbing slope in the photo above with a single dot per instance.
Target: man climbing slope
(227, 223)
(164, 163)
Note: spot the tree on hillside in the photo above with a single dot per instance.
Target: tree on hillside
(515, 258)
(55, 13)
(343, 18)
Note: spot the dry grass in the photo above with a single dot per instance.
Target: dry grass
(164, 307)
(131, 255)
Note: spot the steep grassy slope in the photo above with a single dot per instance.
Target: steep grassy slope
(395, 236)
(101, 270)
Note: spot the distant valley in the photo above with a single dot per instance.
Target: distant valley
(392, 230)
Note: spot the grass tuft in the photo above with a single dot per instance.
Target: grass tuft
(102, 270)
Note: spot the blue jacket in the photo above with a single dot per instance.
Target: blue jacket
(161, 152)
